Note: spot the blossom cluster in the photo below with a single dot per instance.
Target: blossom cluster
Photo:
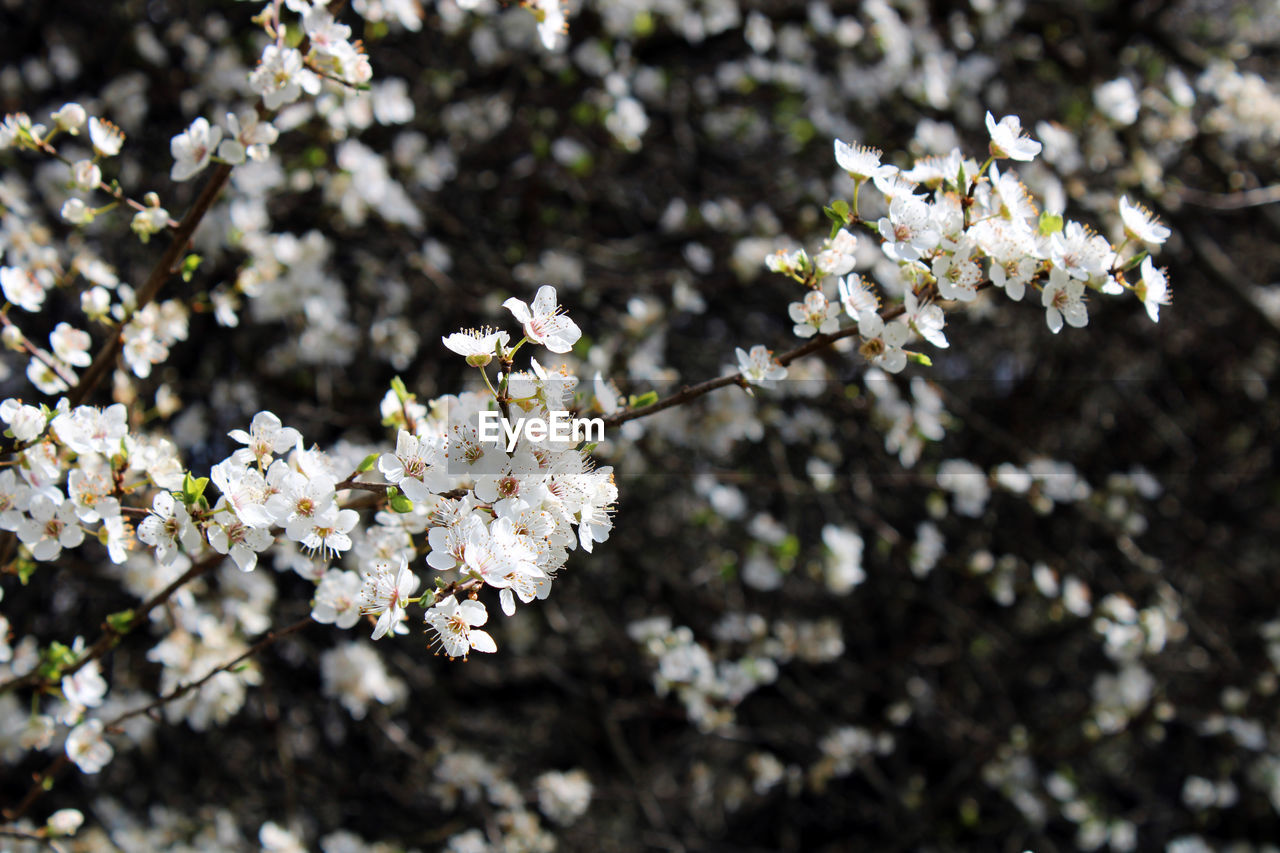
(952, 228)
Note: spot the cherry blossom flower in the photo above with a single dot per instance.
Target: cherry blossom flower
(814, 315)
(543, 323)
(192, 149)
(248, 136)
(958, 274)
(53, 525)
(787, 263)
(882, 342)
(552, 23)
(856, 296)
(1153, 289)
(1141, 224)
(758, 366)
(337, 599)
(26, 422)
(1007, 139)
(837, 258)
(70, 118)
(861, 162)
(1079, 252)
(21, 288)
(386, 594)
(242, 543)
(926, 318)
(281, 78)
(908, 230)
(266, 435)
(71, 345)
(105, 136)
(457, 627)
(1063, 299)
(327, 531)
(88, 748)
(477, 346)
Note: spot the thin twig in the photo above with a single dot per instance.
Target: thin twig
(160, 273)
(110, 635)
(1255, 197)
(690, 392)
(183, 689)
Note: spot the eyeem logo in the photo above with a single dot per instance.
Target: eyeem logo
(562, 426)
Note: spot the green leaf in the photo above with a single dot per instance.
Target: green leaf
(919, 358)
(841, 207)
(190, 264)
(637, 401)
(1050, 223)
(397, 385)
(26, 568)
(367, 463)
(587, 448)
(1134, 261)
(121, 622)
(401, 504)
(193, 488)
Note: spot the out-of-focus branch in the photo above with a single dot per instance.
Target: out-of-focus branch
(165, 267)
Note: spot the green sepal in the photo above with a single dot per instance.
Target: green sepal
(121, 622)
(26, 568)
(193, 488)
(637, 401)
(1050, 223)
(190, 264)
(1133, 262)
(399, 503)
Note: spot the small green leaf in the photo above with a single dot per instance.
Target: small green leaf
(367, 463)
(397, 385)
(121, 622)
(1050, 223)
(637, 401)
(26, 568)
(1134, 261)
(841, 207)
(193, 488)
(919, 358)
(588, 448)
(399, 503)
(190, 264)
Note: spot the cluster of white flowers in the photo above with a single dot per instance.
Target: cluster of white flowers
(952, 228)
(709, 689)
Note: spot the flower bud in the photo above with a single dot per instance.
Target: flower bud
(64, 822)
(86, 175)
(70, 118)
(12, 338)
(77, 212)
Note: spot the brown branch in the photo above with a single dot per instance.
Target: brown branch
(160, 273)
(110, 635)
(44, 777)
(183, 689)
(1231, 201)
(44, 780)
(31, 837)
(691, 392)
